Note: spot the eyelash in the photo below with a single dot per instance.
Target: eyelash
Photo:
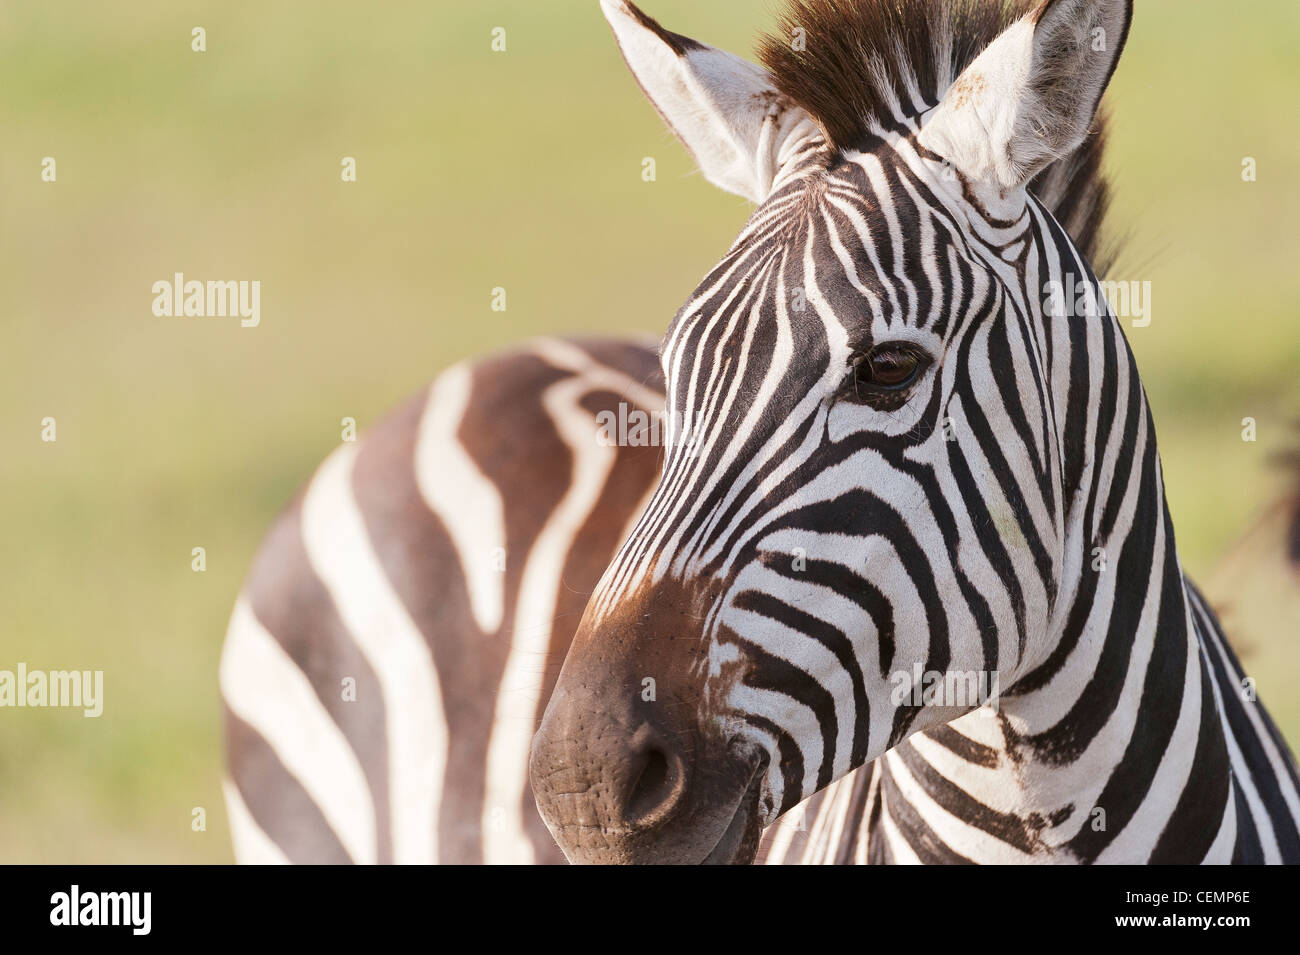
(859, 386)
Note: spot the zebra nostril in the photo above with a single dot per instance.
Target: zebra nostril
(658, 783)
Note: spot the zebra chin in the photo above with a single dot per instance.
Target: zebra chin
(628, 766)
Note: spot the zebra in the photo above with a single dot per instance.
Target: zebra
(425, 504)
(898, 453)
(400, 632)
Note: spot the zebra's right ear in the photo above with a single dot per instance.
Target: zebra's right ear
(725, 110)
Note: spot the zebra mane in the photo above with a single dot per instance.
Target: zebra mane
(861, 60)
(1290, 461)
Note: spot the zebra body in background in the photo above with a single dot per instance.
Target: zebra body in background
(414, 604)
(432, 564)
(401, 633)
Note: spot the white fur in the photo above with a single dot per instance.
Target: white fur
(1030, 97)
(720, 106)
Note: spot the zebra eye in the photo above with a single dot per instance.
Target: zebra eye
(885, 373)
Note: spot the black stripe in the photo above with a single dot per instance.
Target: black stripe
(824, 705)
(1006, 827)
(923, 840)
(292, 604)
(277, 801)
(1196, 820)
(1162, 689)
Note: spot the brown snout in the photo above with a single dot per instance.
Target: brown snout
(608, 771)
(620, 780)
(628, 765)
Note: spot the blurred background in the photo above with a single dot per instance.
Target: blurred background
(475, 169)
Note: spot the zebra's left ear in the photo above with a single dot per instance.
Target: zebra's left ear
(725, 110)
(1030, 97)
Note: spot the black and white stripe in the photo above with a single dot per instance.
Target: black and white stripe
(1123, 695)
(440, 564)
(1004, 514)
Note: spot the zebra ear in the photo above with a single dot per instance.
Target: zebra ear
(1030, 97)
(724, 110)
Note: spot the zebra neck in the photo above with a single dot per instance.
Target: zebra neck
(1095, 749)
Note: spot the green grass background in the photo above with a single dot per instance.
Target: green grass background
(475, 170)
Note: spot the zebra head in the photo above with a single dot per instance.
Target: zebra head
(867, 522)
